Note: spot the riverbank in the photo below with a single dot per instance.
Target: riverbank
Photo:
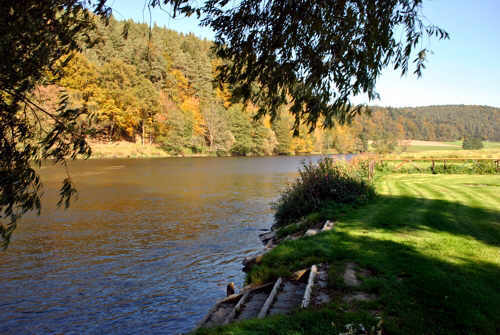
(431, 248)
(415, 150)
(124, 149)
(141, 242)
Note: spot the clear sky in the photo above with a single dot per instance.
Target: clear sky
(462, 70)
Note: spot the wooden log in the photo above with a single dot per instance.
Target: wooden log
(252, 287)
(215, 307)
(237, 308)
(230, 289)
(307, 293)
(270, 299)
(231, 297)
(297, 275)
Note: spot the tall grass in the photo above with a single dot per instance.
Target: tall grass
(318, 184)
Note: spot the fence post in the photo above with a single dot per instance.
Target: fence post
(371, 169)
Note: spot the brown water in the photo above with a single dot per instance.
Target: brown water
(148, 247)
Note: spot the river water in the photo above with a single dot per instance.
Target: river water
(148, 247)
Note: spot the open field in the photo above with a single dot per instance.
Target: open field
(431, 244)
(433, 149)
(419, 146)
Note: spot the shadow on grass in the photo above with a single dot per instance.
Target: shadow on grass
(406, 214)
(417, 293)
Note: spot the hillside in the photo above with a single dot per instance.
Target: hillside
(449, 122)
(158, 89)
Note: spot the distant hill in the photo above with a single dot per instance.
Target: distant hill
(447, 122)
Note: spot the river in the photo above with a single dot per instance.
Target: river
(148, 247)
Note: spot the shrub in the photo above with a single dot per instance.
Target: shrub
(318, 184)
(472, 143)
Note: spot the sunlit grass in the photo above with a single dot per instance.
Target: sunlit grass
(447, 150)
(124, 149)
(421, 148)
(490, 153)
(432, 243)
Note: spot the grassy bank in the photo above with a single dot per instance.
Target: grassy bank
(124, 149)
(431, 244)
(416, 149)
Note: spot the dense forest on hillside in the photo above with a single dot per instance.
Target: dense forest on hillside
(155, 86)
(448, 122)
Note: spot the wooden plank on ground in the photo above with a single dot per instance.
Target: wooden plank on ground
(307, 293)
(270, 299)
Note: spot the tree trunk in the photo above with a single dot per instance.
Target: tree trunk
(142, 133)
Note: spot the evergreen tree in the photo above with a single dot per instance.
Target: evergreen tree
(241, 130)
(282, 128)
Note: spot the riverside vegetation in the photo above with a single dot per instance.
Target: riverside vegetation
(430, 242)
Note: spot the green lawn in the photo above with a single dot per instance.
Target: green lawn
(432, 244)
(448, 146)
(487, 144)
(447, 150)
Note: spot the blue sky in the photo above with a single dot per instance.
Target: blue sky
(462, 70)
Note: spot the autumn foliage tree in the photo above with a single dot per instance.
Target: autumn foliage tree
(296, 62)
(38, 39)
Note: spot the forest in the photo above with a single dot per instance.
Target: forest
(155, 85)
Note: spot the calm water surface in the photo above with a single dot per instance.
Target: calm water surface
(148, 247)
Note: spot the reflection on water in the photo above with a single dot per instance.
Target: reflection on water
(147, 248)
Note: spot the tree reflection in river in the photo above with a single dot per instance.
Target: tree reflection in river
(148, 247)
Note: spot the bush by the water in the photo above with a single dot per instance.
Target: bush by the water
(320, 184)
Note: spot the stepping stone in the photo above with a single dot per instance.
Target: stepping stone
(311, 232)
(328, 225)
(320, 293)
(253, 305)
(350, 278)
(323, 278)
(220, 311)
(279, 297)
(292, 237)
(321, 298)
(266, 237)
(289, 298)
(359, 296)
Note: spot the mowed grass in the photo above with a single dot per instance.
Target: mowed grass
(423, 148)
(491, 150)
(432, 245)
